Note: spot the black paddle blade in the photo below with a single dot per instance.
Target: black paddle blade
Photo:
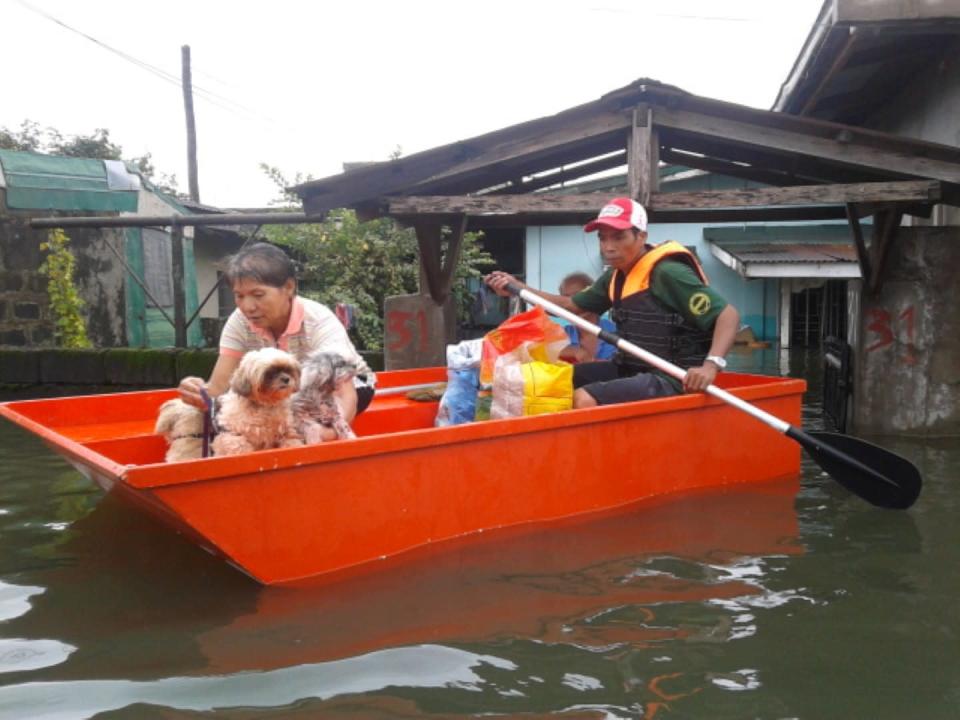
(879, 476)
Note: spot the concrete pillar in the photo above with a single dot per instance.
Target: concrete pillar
(907, 359)
(786, 290)
(417, 331)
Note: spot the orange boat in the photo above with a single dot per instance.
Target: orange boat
(296, 513)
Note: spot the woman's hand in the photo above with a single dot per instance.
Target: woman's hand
(189, 390)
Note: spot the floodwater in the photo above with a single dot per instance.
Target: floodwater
(791, 600)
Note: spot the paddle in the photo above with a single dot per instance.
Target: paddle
(878, 476)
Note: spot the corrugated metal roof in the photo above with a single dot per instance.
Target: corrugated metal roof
(799, 251)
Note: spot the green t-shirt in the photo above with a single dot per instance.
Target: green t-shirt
(675, 285)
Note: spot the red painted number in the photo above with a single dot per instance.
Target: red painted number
(881, 324)
(401, 326)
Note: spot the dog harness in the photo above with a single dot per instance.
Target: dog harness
(210, 427)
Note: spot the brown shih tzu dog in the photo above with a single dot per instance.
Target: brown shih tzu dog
(315, 405)
(182, 427)
(256, 413)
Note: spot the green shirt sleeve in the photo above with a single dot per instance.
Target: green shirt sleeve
(677, 286)
(595, 298)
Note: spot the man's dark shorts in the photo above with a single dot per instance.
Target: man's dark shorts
(610, 383)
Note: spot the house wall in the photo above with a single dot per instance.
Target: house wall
(210, 251)
(907, 367)
(25, 317)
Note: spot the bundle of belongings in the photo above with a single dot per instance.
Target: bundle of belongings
(513, 370)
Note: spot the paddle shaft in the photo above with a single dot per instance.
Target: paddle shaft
(654, 360)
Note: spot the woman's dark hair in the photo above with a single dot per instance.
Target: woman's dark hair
(261, 262)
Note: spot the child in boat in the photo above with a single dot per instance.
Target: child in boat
(584, 347)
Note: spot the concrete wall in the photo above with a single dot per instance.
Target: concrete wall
(25, 318)
(907, 374)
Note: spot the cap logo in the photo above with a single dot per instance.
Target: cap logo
(611, 211)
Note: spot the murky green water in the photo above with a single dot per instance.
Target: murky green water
(784, 601)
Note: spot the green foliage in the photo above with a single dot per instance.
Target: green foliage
(70, 329)
(344, 260)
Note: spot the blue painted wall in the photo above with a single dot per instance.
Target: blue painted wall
(554, 251)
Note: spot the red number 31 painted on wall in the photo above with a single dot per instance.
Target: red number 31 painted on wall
(882, 325)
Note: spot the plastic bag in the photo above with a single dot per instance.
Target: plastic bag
(531, 335)
(526, 337)
(531, 388)
(459, 401)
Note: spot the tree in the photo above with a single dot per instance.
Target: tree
(344, 260)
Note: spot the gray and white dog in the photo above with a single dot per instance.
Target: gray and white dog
(315, 405)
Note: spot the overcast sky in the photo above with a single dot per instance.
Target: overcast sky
(306, 86)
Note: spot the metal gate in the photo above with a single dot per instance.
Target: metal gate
(837, 381)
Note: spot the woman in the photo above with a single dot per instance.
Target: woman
(270, 314)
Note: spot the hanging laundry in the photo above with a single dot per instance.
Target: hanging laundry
(346, 314)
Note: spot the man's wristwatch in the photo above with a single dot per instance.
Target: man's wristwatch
(718, 361)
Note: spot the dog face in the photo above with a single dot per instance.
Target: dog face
(266, 377)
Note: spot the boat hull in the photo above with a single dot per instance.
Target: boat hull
(286, 515)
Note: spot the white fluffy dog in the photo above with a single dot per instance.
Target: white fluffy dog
(182, 427)
(256, 413)
(316, 405)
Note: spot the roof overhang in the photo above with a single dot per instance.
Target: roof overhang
(861, 53)
(807, 251)
(817, 169)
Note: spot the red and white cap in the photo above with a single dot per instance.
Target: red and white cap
(620, 214)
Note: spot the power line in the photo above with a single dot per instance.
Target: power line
(209, 96)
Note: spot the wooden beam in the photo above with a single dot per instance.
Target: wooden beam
(564, 174)
(911, 191)
(863, 257)
(642, 156)
(845, 147)
(721, 215)
(438, 268)
(885, 228)
(730, 169)
(547, 203)
(799, 166)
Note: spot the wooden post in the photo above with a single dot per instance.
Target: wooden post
(439, 276)
(863, 257)
(642, 156)
(885, 226)
(191, 126)
(179, 287)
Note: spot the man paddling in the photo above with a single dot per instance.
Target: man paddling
(659, 298)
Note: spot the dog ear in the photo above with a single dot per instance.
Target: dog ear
(167, 416)
(240, 383)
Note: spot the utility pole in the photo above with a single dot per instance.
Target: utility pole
(191, 127)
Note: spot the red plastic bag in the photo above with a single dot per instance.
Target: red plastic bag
(532, 335)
